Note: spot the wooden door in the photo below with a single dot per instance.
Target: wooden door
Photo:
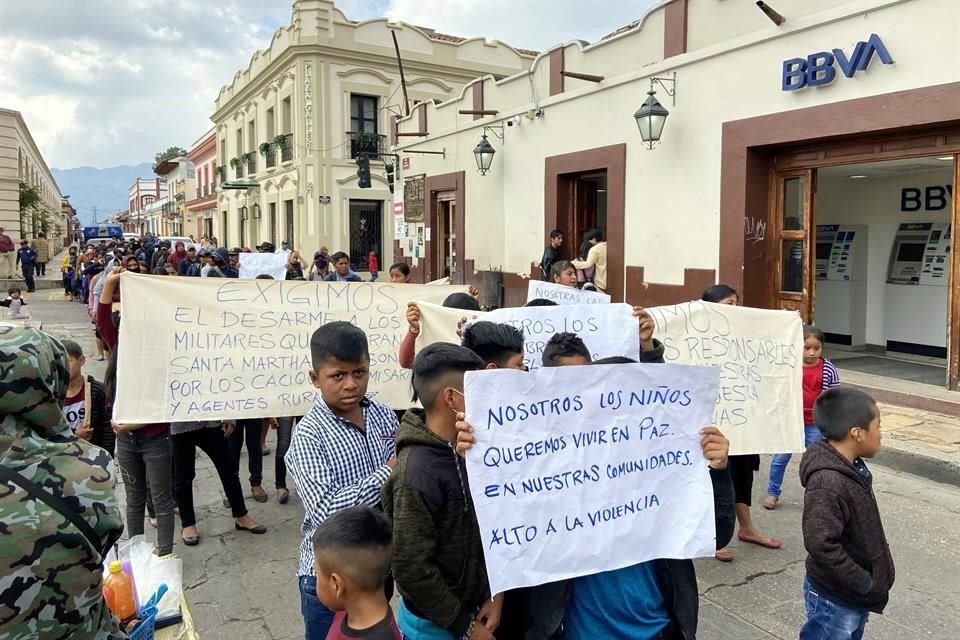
(794, 237)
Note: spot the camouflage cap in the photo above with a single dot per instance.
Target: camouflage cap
(33, 379)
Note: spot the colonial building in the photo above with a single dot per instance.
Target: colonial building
(325, 91)
(181, 180)
(22, 163)
(202, 202)
(144, 192)
(807, 158)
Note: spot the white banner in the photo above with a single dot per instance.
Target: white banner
(209, 348)
(563, 295)
(759, 353)
(255, 264)
(578, 470)
(607, 330)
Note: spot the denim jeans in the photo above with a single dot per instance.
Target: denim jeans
(779, 462)
(211, 442)
(828, 620)
(249, 430)
(284, 434)
(141, 458)
(317, 619)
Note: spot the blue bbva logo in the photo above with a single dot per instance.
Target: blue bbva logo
(817, 69)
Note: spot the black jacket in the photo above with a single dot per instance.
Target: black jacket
(677, 578)
(849, 560)
(437, 551)
(103, 435)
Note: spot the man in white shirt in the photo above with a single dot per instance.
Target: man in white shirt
(284, 249)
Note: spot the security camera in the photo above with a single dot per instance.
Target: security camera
(514, 121)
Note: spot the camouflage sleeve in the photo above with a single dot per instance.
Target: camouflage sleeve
(51, 578)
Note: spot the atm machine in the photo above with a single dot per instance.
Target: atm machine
(916, 291)
(841, 284)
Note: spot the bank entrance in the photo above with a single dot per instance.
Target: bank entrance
(864, 250)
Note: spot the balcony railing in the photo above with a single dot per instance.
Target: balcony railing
(206, 190)
(238, 170)
(286, 151)
(251, 163)
(271, 157)
(362, 142)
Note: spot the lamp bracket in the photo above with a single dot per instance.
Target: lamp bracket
(662, 81)
(443, 152)
(493, 128)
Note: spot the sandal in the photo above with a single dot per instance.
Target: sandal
(771, 502)
(259, 494)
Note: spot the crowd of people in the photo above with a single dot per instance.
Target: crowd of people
(385, 493)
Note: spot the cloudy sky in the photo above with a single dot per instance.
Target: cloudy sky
(110, 82)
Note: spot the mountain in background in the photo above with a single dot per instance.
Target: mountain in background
(103, 189)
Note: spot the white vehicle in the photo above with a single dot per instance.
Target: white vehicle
(131, 236)
(187, 242)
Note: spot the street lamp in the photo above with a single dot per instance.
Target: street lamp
(483, 153)
(652, 116)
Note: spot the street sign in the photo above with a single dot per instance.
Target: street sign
(324, 199)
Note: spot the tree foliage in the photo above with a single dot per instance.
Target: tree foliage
(171, 152)
(29, 197)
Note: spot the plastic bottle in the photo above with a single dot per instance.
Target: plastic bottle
(118, 592)
(128, 569)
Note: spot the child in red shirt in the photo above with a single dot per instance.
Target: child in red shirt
(819, 374)
(373, 266)
(352, 551)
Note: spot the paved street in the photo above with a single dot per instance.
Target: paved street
(242, 586)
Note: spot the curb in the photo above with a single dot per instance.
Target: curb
(926, 467)
(40, 284)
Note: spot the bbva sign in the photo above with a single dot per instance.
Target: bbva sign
(817, 69)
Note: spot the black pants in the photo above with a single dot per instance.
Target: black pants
(67, 285)
(742, 469)
(249, 430)
(284, 435)
(210, 440)
(28, 276)
(41, 268)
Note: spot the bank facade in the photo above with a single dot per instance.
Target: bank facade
(810, 164)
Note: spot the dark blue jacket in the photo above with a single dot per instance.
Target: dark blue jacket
(26, 256)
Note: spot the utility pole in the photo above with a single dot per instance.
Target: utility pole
(94, 215)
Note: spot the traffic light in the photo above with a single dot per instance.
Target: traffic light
(363, 171)
(391, 170)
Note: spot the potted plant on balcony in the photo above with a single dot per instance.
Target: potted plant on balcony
(265, 149)
(234, 162)
(279, 141)
(367, 142)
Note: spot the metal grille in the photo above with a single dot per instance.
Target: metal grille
(366, 235)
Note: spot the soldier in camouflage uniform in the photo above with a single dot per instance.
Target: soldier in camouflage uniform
(50, 573)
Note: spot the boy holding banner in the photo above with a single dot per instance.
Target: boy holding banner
(438, 554)
(655, 600)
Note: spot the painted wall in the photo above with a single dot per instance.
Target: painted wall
(674, 188)
(875, 202)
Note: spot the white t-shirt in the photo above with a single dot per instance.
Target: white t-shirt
(74, 408)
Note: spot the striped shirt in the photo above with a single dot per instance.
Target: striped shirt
(831, 378)
(336, 465)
